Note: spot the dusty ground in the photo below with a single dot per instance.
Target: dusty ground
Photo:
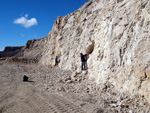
(58, 91)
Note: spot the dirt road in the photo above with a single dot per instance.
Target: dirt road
(27, 97)
(59, 91)
(23, 98)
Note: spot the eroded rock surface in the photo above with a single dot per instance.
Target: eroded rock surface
(116, 36)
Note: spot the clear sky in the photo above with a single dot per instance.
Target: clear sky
(23, 20)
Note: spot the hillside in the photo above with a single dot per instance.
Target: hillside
(115, 35)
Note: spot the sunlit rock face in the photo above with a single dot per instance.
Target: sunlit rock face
(116, 36)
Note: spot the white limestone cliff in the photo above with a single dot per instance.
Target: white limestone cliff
(114, 33)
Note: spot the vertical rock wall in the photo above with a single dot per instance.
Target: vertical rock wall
(116, 35)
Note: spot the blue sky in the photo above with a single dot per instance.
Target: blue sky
(23, 20)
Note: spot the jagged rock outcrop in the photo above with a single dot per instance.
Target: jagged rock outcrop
(34, 48)
(11, 51)
(30, 53)
(116, 35)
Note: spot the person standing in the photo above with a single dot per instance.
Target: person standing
(56, 60)
(83, 61)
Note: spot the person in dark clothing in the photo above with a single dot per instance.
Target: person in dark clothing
(56, 60)
(83, 60)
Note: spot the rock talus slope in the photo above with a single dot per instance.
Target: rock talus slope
(115, 35)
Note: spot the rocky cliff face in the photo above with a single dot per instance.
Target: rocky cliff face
(114, 33)
(34, 48)
(31, 52)
(11, 51)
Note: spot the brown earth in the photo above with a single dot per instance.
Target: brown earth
(52, 90)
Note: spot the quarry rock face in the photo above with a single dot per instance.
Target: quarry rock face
(116, 36)
(30, 53)
(34, 48)
(11, 51)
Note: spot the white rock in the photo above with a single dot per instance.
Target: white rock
(120, 32)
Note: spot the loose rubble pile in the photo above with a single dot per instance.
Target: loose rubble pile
(103, 96)
(77, 88)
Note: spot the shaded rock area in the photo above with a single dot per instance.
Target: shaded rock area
(12, 51)
(30, 53)
(34, 48)
(21, 60)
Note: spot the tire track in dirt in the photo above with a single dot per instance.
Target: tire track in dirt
(63, 105)
(44, 105)
(7, 96)
(26, 98)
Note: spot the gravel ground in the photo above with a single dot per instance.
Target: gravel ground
(52, 90)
